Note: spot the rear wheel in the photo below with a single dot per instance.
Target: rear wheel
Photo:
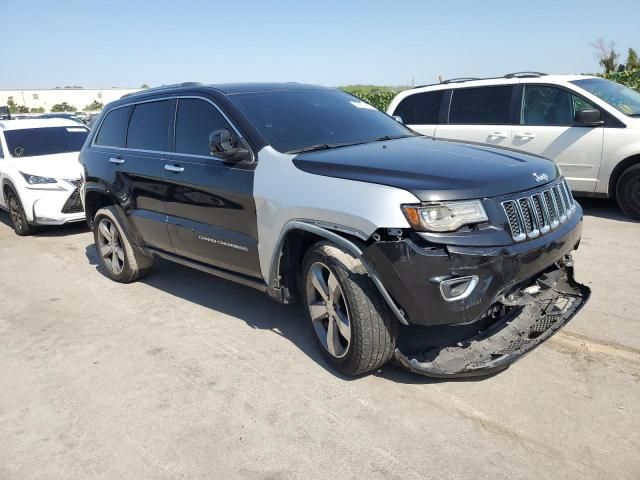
(18, 217)
(351, 322)
(121, 260)
(628, 192)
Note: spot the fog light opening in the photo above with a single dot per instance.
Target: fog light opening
(458, 288)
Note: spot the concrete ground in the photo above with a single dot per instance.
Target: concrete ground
(183, 375)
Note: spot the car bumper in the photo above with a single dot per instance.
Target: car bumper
(52, 207)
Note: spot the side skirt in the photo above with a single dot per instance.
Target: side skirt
(218, 272)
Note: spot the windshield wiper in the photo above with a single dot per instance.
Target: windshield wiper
(391, 137)
(320, 146)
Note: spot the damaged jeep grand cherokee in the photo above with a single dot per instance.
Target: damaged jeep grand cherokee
(451, 259)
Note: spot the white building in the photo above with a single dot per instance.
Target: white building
(77, 97)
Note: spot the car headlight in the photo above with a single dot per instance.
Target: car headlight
(444, 216)
(37, 180)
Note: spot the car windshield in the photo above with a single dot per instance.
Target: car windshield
(299, 120)
(618, 96)
(32, 142)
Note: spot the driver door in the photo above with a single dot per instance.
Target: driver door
(547, 128)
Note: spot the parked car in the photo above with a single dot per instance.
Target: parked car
(452, 259)
(40, 172)
(65, 115)
(588, 125)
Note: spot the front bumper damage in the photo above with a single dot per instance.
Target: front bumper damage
(515, 325)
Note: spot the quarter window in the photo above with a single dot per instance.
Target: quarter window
(481, 106)
(195, 120)
(149, 126)
(420, 108)
(546, 105)
(114, 128)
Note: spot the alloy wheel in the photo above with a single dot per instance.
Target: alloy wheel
(328, 310)
(16, 212)
(110, 246)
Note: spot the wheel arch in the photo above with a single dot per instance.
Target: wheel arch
(619, 170)
(296, 238)
(94, 200)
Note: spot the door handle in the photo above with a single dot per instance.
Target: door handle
(525, 135)
(498, 135)
(117, 161)
(174, 168)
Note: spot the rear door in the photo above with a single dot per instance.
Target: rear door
(421, 111)
(139, 183)
(546, 127)
(480, 114)
(210, 205)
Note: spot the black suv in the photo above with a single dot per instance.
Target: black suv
(450, 258)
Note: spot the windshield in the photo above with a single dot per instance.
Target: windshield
(622, 98)
(296, 120)
(32, 142)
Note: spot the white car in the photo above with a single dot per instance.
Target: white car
(588, 125)
(40, 174)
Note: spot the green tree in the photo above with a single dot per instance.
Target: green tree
(95, 105)
(606, 54)
(37, 110)
(14, 107)
(63, 107)
(633, 62)
(144, 85)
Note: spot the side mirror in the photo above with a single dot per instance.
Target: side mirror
(228, 146)
(398, 119)
(588, 117)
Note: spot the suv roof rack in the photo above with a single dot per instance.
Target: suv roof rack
(524, 75)
(163, 87)
(460, 80)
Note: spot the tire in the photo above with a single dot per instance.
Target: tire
(120, 259)
(16, 213)
(350, 306)
(628, 192)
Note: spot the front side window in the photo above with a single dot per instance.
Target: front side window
(113, 129)
(295, 120)
(420, 108)
(547, 105)
(195, 120)
(33, 142)
(618, 96)
(481, 105)
(149, 126)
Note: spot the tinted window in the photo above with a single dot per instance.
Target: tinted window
(31, 142)
(149, 126)
(297, 119)
(195, 121)
(545, 105)
(484, 105)
(420, 108)
(114, 128)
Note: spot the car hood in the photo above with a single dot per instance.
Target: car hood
(61, 165)
(433, 169)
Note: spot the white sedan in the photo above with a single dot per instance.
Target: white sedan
(40, 174)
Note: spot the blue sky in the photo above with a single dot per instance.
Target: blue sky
(118, 43)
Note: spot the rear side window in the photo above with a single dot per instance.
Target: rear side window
(149, 126)
(481, 106)
(420, 108)
(114, 128)
(196, 119)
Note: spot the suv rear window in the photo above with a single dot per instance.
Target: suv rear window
(195, 121)
(420, 108)
(114, 128)
(149, 126)
(481, 105)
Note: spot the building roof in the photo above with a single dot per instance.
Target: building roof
(37, 123)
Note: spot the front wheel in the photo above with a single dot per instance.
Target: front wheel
(18, 217)
(628, 192)
(351, 322)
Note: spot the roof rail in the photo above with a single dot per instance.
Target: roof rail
(163, 87)
(460, 80)
(524, 75)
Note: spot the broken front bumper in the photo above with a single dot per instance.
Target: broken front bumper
(513, 327)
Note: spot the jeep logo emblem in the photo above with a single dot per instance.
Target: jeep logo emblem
(543, 177)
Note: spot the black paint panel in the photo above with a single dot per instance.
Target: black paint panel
(432, 169)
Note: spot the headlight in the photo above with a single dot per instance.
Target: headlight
(36, 180)
(444, 216)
